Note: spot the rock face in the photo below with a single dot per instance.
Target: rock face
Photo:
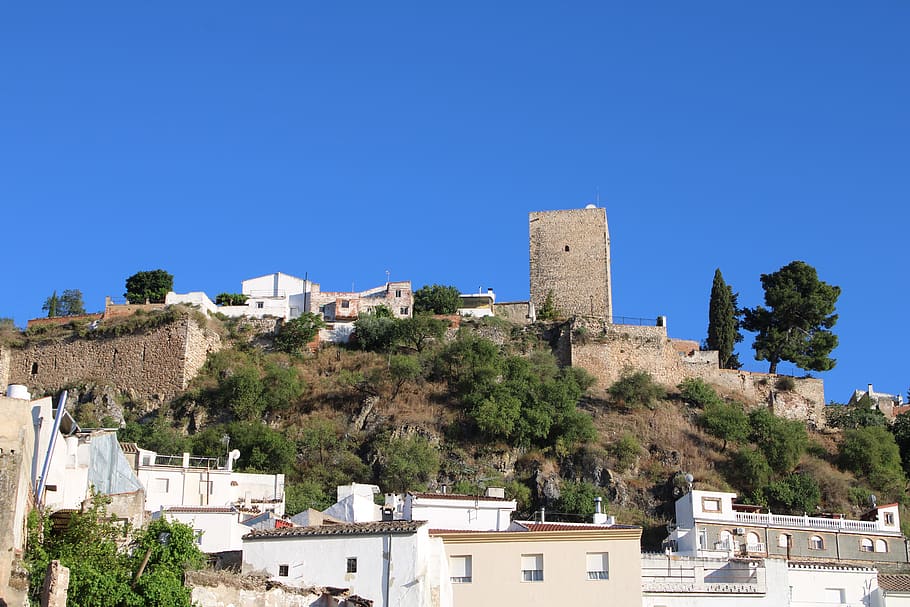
(154, 365)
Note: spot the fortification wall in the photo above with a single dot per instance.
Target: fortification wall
(154, 365)
(4, 368)
(608, 350)
(570, 257)
(519, 312)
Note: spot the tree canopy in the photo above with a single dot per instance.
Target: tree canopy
(151, 286)
(795, 323)
(295, 334)
(723, 323)
(437, 299)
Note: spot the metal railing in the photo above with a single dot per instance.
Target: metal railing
(634, 320)
(209, 463)
(805, 522)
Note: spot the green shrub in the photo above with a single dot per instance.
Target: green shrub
(727, 422)
(636, 389)
(407, 463)
(795, 493)
(625, 451)
(577, 499)
(751, 470)
(696, 391)
(872, 454)
(782, 441)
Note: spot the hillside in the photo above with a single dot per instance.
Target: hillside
(485, 404)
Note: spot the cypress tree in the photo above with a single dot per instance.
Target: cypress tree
(723, 323)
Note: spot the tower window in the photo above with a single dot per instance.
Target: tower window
(567, 248)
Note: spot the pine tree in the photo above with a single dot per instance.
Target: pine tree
(723, 323)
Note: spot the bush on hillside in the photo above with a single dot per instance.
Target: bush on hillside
(696, 391)
(872, 453)
(725, 421)
(782, 441)
(636, 389)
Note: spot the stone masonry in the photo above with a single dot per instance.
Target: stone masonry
(570, 257)
(607, 350)
(155, 365)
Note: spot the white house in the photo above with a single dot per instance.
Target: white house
(477, 304)
(355, 504)
(832, 584)
(183, 480)
(489, 512)
(712, 524)
(388, 562)
(217, 528)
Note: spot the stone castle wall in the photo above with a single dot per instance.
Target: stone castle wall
(4, 368)
(155, 365)
(570, 257)
(607, 350)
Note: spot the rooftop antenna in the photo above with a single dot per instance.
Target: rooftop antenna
(387, 274)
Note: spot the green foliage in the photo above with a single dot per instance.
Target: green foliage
(407, 463)
(295, 334)
(52, 305)
(577, 498)
(262, 449)
(282, 386)
(381, 311)
(794, 493)
(156, 435)
(102, 570)
(873, 454)
(625, 451)
(304, 495)
(403, 369)
(548, 310)
(231, 299)
(725, 421)
(636, 389)
(376, 333)
(858, 415)
(151, 286)
(416, 332)
(796, 324)
(71, 303)
(901, 430)
(437, 299)
(723, 323)
(526, 401)
(751, 470)
(782, 441)
(242, 392)
(696, 391)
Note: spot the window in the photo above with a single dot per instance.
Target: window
(866, 545)
(881, 546)
(835, 595)
(703, 539)
(404, 311)
(34, 368)
(753, 542)
(159, 485)
(197, 536)
(397, 292)
(352, 564)
(345, 304)
(532, 567)
(567, 248)
(783, 540)
(710, 504)
(889, 518)
(282, 570)
(260, 304)
(598, 565)
(816, 543)
(460, 569)
(205, 487)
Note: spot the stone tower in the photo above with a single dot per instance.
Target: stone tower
(570, 256)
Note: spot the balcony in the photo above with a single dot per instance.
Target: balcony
(807, 522)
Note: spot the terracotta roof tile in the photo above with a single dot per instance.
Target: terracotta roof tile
(372, 528)
(894, 582)
(201, 509)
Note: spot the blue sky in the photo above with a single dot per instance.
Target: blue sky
(224, 140)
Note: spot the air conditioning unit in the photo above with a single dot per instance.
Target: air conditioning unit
(739, 531)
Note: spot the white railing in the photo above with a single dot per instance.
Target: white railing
(753, 548)
(805, 522)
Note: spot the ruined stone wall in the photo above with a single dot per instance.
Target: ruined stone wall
(154, 365)
(570, 256)
(519, 312)
(608, 350)
(225, 589)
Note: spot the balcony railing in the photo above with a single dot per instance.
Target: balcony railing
(805, 522)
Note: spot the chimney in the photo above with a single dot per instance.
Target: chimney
(869, 391)
(599, 517)
(543, 515)
(186, 460)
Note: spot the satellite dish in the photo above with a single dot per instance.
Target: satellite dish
(591, 206)
(690, 479)
(235, 454)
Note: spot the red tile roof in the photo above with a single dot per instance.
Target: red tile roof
(201, 509)
(894, 582)
(372, 528)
